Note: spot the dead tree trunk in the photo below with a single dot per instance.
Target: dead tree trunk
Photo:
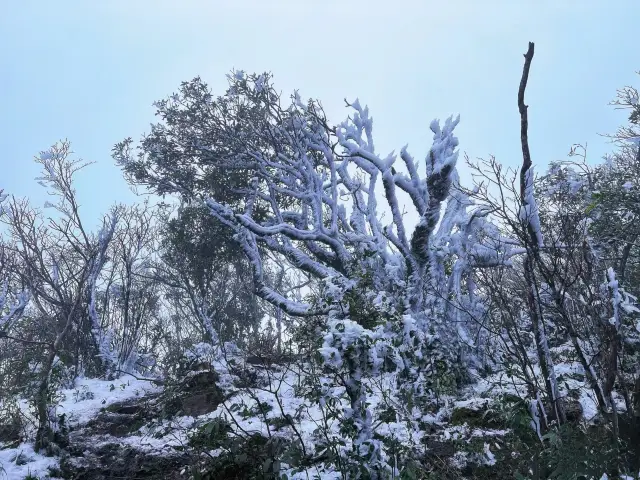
(532, 244)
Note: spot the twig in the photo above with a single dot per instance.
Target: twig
(22, 340)
(152, 380)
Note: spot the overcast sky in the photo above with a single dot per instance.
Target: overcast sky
(89, 71)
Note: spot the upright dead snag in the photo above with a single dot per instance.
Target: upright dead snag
(533, 241)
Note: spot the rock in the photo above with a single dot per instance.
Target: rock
(440, 449)
(572, 408)
(117, 461)
(124, 409)
(201, 403)
(10, 432)
(197, 395)
(116, 425)
(94, 453)
(201, 380)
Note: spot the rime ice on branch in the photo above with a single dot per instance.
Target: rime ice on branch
(318, 185)
(310, 193)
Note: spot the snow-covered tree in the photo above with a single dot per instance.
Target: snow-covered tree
(391, 293)
(58, 261)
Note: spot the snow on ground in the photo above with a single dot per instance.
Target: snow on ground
(89, 396)
(79, 404)
(571, 379)
(84, 402)
(474, 403)
(161, 439)
(17, 463)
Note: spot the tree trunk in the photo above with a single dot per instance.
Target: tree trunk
(44, 435)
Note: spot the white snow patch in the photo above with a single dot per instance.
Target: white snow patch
(17, 463)
(476, 403)
(589, 405)
(490, 458)
(81, 408)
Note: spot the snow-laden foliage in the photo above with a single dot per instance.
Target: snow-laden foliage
(318, 197)
(315, 308)
(103, 338)
(11, 308)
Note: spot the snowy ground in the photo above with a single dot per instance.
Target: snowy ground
(17, 463)
(80, 405)
(84, 402)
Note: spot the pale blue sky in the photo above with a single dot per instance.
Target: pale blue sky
(89, 71)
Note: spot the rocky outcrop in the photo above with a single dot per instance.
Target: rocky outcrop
(108, 446)
(113, 460)
(111, 445)
(199, 394)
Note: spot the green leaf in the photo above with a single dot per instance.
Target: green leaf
(591, 206)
